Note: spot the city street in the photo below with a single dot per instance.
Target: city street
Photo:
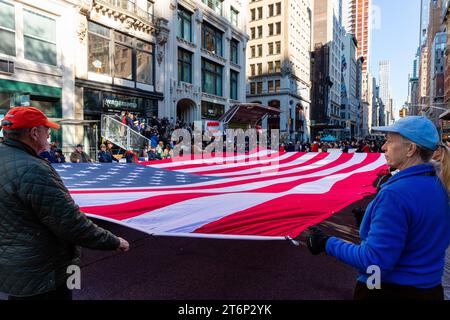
(239, 122)
(209, 269)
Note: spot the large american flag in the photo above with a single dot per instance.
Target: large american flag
(263, 195)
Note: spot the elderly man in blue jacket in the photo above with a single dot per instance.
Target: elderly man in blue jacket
(406, 228)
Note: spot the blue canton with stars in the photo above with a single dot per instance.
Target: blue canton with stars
(121, 175)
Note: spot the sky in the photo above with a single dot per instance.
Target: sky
(395, 37)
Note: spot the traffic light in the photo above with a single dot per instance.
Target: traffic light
(402, 113)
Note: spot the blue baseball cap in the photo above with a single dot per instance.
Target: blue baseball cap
(418, 129)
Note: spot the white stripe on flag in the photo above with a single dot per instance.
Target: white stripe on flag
(298, 161)
(186, 216)
(189, 215)
(263, 153)
(236, 165)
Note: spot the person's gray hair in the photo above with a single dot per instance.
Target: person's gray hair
(15, 134)
(425, 154)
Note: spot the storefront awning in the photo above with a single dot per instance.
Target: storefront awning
(29, 88)
(248, 113)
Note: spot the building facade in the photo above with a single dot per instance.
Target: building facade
(79, 59)
(434, 26)
(446, 29)
(437, 76)
(328, 44)
(37, 57)
(350, 107)
(206, 69)
(357, 20)
(413, 86)
(424, 20)
(120, 48)
(279, 63)
(384, 84)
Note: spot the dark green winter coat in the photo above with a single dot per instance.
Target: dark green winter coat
(40, 224)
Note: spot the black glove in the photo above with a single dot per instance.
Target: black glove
(316, 240)
(358, 213)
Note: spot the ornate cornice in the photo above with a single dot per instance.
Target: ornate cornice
(85, 6)
(130, 19)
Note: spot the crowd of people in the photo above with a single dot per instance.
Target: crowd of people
(161, 147)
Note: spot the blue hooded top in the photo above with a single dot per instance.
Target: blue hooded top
(405, 231)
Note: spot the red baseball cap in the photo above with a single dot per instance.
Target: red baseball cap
(26, 117)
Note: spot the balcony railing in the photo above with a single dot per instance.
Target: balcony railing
(132, 7)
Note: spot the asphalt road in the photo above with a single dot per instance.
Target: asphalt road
(209, 269)
(175, 268)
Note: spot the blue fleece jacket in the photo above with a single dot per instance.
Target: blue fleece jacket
(405, 231)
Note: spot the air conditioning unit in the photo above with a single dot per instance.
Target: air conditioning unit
(6, 66)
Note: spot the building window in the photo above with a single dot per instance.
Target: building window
(271, 87)
(270, 48)
(252, 33)
(184, 24)
(260, 32)
(260, 13)
(252, 14)
(277, 85)
(7, 29)
(116, 54)
(252, 69)
(278, 66)
(212, 39)
(253, 88)
(144, 62)
(271, 29)
(98, 49)
(211, 78)
(216, 5)
(278, 47)
(184, 66)
(234, 51)
(278, 28)
(270, 67)
(123, 56)
(39, 37)
(234, 15)
(234, 76)
(259, 87)
(252, 51)
(270, 10)
(212, 110)
(278, 8)
(259, 68)
(260, 50)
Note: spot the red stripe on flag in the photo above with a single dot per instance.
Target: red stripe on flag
(291, 214)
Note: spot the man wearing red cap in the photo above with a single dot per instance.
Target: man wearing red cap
(41, 227)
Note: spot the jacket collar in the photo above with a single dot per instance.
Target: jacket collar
(417, 170)
(22, 146)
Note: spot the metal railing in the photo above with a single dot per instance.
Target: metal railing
(122, 135)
